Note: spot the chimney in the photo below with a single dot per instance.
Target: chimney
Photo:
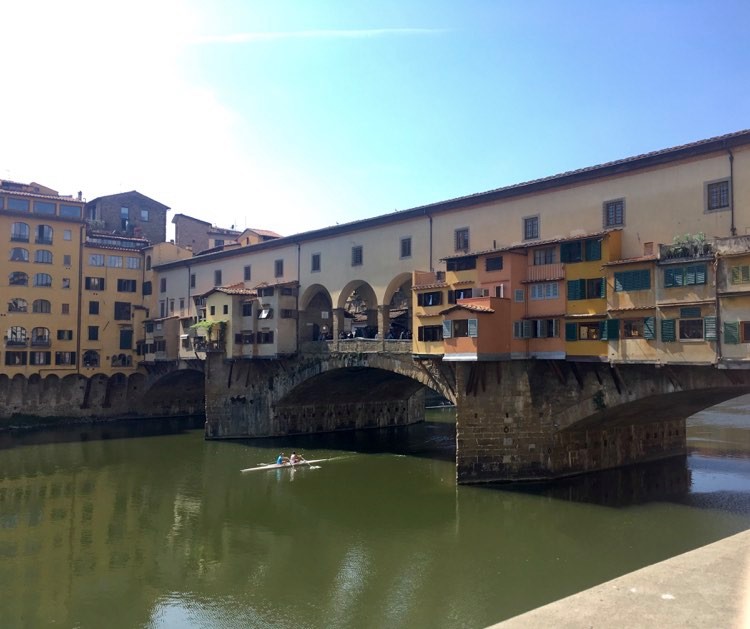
(80, 195)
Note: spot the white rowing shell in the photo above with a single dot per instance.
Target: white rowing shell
(278, 466)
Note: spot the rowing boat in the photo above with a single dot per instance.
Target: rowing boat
(278, 466)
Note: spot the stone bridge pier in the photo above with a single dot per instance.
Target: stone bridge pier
(321, 391)
(534, 420)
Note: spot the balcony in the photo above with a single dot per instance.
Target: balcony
(19, 238)
(41, 342)
(686, 250)
(545, 272)
(428, 278)
(16, 342)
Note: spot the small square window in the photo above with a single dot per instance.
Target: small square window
(94, 307)
(357, 255)
(144, 216)
(717, 195)
(406, 247)
(93, 333)
(518, 295)
(531, 228)
(461, 239)
(67, 234)
(614, 213)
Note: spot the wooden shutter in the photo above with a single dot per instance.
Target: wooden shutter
(669, 278)
(451, 297)
(709, 328)
(527, 329)
(668, 327)
(609, 330)
(571, 332)
(473, 328)
(593, 249)
(447, 329)
(420, 299)
(731, 332)
(649, 328)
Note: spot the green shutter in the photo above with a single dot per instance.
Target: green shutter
(570, 251)
(668, 330)
(609, 330)
(731, 332)
(619, 286)
(709, 328)
(669, 278)
(693, 312)
(700, 273)
(593, 249)
(571, 332)
(420, 299)
(603, 291)
(576, 289)
(649, 328)
(473, 328)
(643, 281)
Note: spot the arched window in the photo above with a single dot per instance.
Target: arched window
(40, 337)
(16, 335)
(42, 306)
(18, 278)
(43, 279)
(43, 256)
(148, 263)
(91, 358)
(19, 254)
(18, 305)
(19, 232)
(44, 235)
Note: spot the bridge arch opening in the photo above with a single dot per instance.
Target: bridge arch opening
(180, 392)
(315, 314)
(357, 311)
(397, 314)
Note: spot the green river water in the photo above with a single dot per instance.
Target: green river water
(120, 526)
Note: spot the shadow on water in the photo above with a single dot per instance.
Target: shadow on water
(109, 429)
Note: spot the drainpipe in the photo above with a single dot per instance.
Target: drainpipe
(719, 339)
(296, 297)
(429, 216)
(79, 358)
(733, 228)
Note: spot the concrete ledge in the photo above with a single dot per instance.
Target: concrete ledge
(706, 587)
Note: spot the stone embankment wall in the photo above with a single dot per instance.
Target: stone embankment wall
(77, 397)
(526, 420)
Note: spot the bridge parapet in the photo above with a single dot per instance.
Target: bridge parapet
(357, 346)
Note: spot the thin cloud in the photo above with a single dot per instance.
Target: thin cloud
(362, 33)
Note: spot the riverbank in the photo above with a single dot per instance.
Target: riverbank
(706, 587)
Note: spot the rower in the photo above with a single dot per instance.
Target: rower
(295, 458)
(281, 459)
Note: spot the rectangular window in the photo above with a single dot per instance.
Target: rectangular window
(264, 338)
(171, 306)
(546, 290)
(265, 313)
(315, 263)
(544, 256)
(278, 268)
(212, 310)
(614, 213)
(287, 313)
(65, 335)
(576, 290)
(65, 358)
(632, 280)
(192, 280)
(589, 331)
(163, 285)
(357, 255)
(247, 273)
(16, 358)
(717, 195)
(461, 239)
(67, 235)
(126, 339)
(518, 295)
(147, 289)
(96, 259)
(65, 309)
(571, 251)
(93, 307)
(217, 277)
(247, 309)
(685, 275)
(19, 205)
(462, 264)
(122, 311)
(67, 260)
(632, 329)
(596, 288)
(94, 283)
(114, 262)
(494, 263)
(434, 298)
(93, 333)
(531, 228)
(741, 274)
(126, 286)
(44, 207)
(691, 329)
(430, 333)
(133, 262)
(406, 247)
(70, 211)
(144, 216)
(225, 310)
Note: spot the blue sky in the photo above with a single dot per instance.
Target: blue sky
(296, 115)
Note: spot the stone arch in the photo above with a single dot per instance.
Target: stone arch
(397, 307)
(357, 302)
(315, 313)
(180, 392)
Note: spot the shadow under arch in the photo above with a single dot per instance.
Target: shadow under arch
(315, 313)
(180, 392)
